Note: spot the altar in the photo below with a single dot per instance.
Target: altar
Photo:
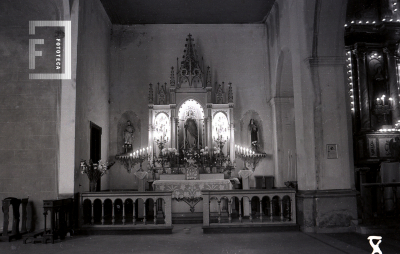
(191, 137)
(186, 194)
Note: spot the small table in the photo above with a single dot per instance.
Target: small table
(60, 219)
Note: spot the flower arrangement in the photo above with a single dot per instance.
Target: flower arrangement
(169, 151)
(204, 151)
(95, 171)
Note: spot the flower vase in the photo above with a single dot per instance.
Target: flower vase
(92, 186)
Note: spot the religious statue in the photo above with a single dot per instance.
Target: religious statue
(191, 133)
(253, 134)
(128, 133)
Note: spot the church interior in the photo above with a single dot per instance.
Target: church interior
(138, 117)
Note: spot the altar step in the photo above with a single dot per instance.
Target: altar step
(124, 229)
(237, 227)
(187, 218)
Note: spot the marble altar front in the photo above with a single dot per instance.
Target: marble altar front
(189, 191)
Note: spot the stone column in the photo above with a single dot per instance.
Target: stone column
(325, 198)
(150, 132)
(205, 132)
(209, 129)
(173, 134)
(232, 135)
(364, 102)
(176, 134)
(390, 52)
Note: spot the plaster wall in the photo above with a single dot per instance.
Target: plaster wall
(143, 54)
(92, 91)
(28, 108)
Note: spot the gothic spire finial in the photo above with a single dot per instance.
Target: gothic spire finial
(190, 71)
(230, 93)
(150, 93)
(172, 78)
(208, 79)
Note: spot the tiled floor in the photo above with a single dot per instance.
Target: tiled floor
(190, 239)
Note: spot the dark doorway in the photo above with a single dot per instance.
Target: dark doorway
(95, 147)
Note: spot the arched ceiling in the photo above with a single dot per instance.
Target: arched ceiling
(128, 12)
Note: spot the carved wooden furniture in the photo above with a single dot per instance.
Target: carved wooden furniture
(60, 212)
(15, 233)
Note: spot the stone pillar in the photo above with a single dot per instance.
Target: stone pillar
(232, 135)
(283, 136)
(150, 134)
(325, 201)
(364, 101)
(390, 52)
(209, 129)
(206, 132)
(176, 136)
(173, 134)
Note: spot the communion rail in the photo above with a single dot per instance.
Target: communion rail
(126, 209)
(266, 207)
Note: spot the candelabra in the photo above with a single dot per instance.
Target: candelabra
(129, 160)
(248, 156)
(161, 143)
(383, 108)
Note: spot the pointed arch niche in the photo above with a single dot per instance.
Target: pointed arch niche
(284, 136)
(191, 131)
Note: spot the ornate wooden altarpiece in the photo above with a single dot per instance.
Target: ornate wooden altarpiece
(190, 114)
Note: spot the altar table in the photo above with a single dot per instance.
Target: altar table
(191, 188)
(189, 191)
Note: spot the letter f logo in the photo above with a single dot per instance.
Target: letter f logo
(375, 247)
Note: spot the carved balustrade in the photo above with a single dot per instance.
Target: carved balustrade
(267, 206)
(126, 202)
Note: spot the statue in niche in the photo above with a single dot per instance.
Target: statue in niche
(394, 147)
(128, 133)
(253, 134)
(379, 81)
(191, 133)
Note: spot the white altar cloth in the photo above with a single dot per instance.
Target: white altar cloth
(191, 188)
